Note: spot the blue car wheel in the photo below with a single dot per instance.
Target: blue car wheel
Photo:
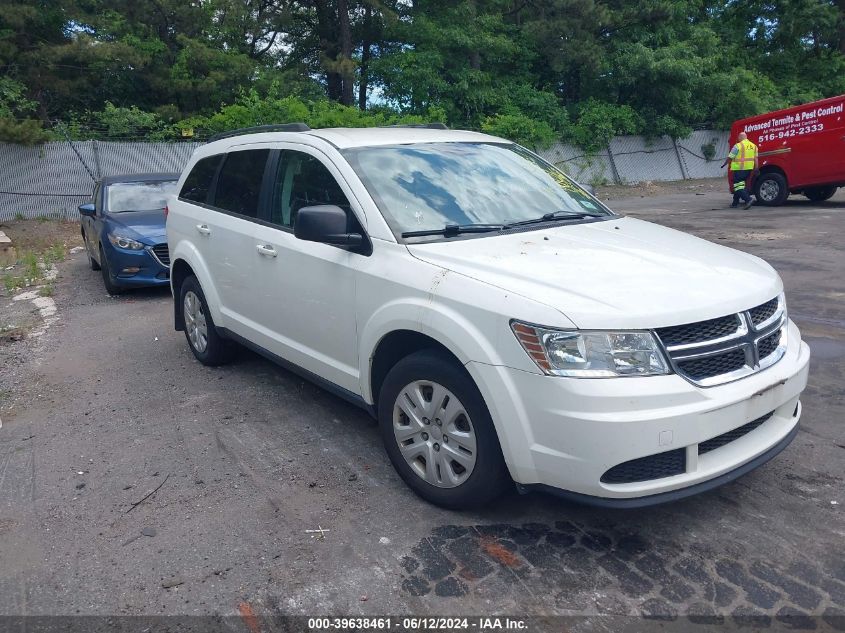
(91, 261)
(111, 287)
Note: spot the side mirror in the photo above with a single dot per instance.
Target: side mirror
(87, 209)
(327, 224)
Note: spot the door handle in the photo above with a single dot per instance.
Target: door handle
(203, 228)
(266, 250)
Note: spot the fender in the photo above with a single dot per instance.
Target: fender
(187, 252)
(477, 353)
(416, 314)
(449, 308)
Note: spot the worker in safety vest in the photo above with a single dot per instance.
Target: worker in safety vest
(743, 160)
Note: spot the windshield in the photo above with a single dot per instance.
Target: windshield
(428, 186)
(138, 196)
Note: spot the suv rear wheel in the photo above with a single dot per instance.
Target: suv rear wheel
(439, 434)
(206, 344)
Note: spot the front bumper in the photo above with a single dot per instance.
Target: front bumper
(151, 271)
(564, 433)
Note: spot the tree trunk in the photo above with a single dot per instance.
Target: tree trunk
(346, 70)
(841, 4)
(365, 58)
(474, 55)
(327, 33)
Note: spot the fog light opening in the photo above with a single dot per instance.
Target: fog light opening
(797, 404)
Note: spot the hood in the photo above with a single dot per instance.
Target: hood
(144, 226)
(622, 273)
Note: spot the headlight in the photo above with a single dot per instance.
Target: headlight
(125, 242)
(590, 354)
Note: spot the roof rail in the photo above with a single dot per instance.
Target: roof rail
(278, 127)
(424, 126)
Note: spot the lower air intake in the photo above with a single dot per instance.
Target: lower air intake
(650, 467)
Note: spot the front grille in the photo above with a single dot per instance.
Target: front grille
(650, 467)
(162, 254)
(719, 350)
(700, 332)
(709, 366)
(763, 313)
(768, 345)
(726, 438)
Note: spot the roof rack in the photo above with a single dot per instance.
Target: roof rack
(259, 129)
(424, 126)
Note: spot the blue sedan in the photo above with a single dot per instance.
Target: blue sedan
(124, 232)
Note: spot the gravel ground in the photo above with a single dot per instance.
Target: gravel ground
(656, 188)
(134, 481)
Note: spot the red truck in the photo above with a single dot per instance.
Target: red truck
(802, 150)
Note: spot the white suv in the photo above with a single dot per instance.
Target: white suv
(501, 323)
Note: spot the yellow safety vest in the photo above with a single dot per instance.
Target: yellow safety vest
(744, 159)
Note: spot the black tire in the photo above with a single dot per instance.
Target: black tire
(489, 477)
(218, 350)
(771, 189)
(820, 194)
(91, 261)
(108, 281)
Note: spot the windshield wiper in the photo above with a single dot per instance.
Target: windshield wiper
(451, 230)
(551, 217)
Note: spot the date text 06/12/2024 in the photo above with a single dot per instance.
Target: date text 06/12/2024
(480, 624)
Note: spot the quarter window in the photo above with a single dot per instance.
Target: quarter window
(198, 183)
(303, 181)
(239, 182)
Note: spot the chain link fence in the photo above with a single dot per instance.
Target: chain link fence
(634, 159)
(53, 179)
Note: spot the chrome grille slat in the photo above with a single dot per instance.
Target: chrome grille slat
(708, 353)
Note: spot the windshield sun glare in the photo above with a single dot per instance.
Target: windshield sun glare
(430, 186)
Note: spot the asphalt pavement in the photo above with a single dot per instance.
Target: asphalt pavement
(133, 481)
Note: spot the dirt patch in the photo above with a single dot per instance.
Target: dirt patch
(37, 245)
(653, 188)
(39, 235)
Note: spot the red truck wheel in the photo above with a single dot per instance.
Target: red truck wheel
(771, 189)
(820, 194)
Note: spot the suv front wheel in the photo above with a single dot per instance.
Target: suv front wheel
(207, 345)
(439, 434)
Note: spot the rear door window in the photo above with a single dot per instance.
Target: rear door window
(239, 182)
(198, 183)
